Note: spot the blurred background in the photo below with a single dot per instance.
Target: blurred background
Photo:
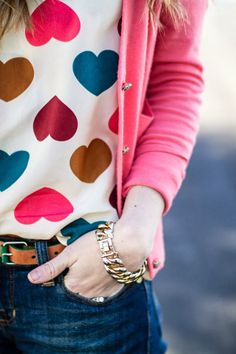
(197, 287)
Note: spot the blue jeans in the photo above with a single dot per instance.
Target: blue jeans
(35, 318)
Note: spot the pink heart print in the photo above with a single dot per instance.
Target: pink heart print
(45, 203)
(50, 19)
(113, 122)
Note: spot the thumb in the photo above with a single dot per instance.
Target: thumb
(50, 269)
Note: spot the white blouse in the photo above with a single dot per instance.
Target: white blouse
(59, 119)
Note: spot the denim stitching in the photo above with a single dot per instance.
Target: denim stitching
(148, 316)
(12, 289)
(6, 321)
(41, 251)
(42, 255)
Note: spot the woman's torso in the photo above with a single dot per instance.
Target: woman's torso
(59, 118)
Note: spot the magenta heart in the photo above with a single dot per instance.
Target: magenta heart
(113, 122)
(44, 203)
(113, 197)
(55, 119)
(53, 18)
(119, 26)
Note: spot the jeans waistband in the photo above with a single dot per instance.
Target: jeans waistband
(28, 240)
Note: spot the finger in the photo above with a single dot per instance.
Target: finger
(50, 269)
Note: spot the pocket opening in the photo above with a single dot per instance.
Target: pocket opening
(86, 300)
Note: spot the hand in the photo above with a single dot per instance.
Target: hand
(87, 274)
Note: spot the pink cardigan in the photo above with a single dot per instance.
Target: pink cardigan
(158, 112)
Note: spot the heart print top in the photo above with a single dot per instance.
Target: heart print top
(59, 119)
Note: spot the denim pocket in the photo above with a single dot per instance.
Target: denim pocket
(124, 291)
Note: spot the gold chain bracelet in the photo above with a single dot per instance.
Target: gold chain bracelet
(112, 263)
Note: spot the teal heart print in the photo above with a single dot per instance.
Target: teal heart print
(96, 73)
(78, 228)
(12, 167)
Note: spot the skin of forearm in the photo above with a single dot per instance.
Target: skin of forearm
(142, 212)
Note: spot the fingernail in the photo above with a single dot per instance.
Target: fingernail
(35, 275)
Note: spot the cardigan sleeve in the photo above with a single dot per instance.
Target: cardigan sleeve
(174, 93)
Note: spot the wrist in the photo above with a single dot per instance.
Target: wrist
(141, 215)
(132, 247)
(142, 210)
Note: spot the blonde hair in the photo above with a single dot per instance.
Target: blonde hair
(174, 8)
(13, 13)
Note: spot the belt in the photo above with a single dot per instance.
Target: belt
(16, 250)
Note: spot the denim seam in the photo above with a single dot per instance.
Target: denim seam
(41, 251)
(42, 255)
(6, 322)
(148, 317)
(11, 286)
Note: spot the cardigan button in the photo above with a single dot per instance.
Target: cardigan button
(156, 263)
(126, 86)
(125, 149)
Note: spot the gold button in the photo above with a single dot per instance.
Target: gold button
(126, 86)
(156, 263)
(125, 149)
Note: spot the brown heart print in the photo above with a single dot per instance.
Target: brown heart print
(88, 163)
(15, 76)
